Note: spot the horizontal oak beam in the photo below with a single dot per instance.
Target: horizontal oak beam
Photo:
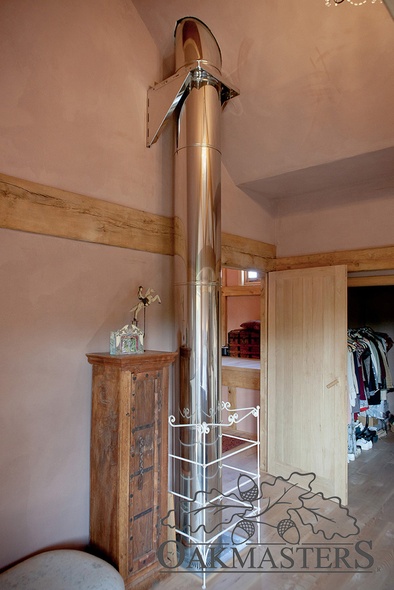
(36, 208)
(241, 377)
(356, 260)
(371, 281)
(31, 207)
(241, 290)
(247, 254)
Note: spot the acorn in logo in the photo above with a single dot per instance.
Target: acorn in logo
(247, 488)
(244, 526)
(288, 531)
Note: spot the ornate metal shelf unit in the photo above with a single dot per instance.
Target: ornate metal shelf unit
(232, 497)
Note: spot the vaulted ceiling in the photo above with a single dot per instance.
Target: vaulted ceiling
(316, 107)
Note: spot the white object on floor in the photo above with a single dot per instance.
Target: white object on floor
(64, 569)
(364, 444)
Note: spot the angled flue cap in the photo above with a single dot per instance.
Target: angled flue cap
(196, 50)
(195, 43)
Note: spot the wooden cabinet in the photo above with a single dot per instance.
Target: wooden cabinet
(129, 459)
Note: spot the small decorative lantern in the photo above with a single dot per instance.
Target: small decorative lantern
(127, 340)
(130, 338)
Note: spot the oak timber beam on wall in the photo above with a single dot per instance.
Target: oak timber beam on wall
(31, 207)
(240, 377)
(241, 290)
(246, 254)
(371, 281)
(36, 208)
(366, 259)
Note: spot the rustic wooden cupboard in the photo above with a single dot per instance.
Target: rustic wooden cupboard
(129, 461)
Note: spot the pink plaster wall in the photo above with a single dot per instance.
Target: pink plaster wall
(324, 223)
(242, 309)
(73, 78)
(244, 216)
(59, 300)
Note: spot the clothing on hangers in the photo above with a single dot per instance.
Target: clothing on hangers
(369, 375)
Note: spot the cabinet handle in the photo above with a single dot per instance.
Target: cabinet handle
(141, 445)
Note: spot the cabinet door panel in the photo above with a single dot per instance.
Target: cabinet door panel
(144, 453)
(105, 450)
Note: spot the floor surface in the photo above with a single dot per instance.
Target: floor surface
(360, 559)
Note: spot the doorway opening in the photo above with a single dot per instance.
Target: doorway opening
(241, 365)
(370, 308)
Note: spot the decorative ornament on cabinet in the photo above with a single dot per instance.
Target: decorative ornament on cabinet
(130, 338)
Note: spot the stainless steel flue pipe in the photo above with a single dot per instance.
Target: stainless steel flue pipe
(196, 93)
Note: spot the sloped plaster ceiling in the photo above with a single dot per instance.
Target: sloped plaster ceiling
(316, 109)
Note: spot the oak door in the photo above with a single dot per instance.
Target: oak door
(307, 376)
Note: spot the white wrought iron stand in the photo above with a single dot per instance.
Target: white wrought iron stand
(234, 416)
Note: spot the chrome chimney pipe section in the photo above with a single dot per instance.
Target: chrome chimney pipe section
(196, 93)
(197, 268)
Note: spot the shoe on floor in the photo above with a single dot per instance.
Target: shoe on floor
(364, 444)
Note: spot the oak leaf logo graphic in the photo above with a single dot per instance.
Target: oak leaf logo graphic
(287, 505)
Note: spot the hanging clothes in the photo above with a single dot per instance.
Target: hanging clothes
(369, 375)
